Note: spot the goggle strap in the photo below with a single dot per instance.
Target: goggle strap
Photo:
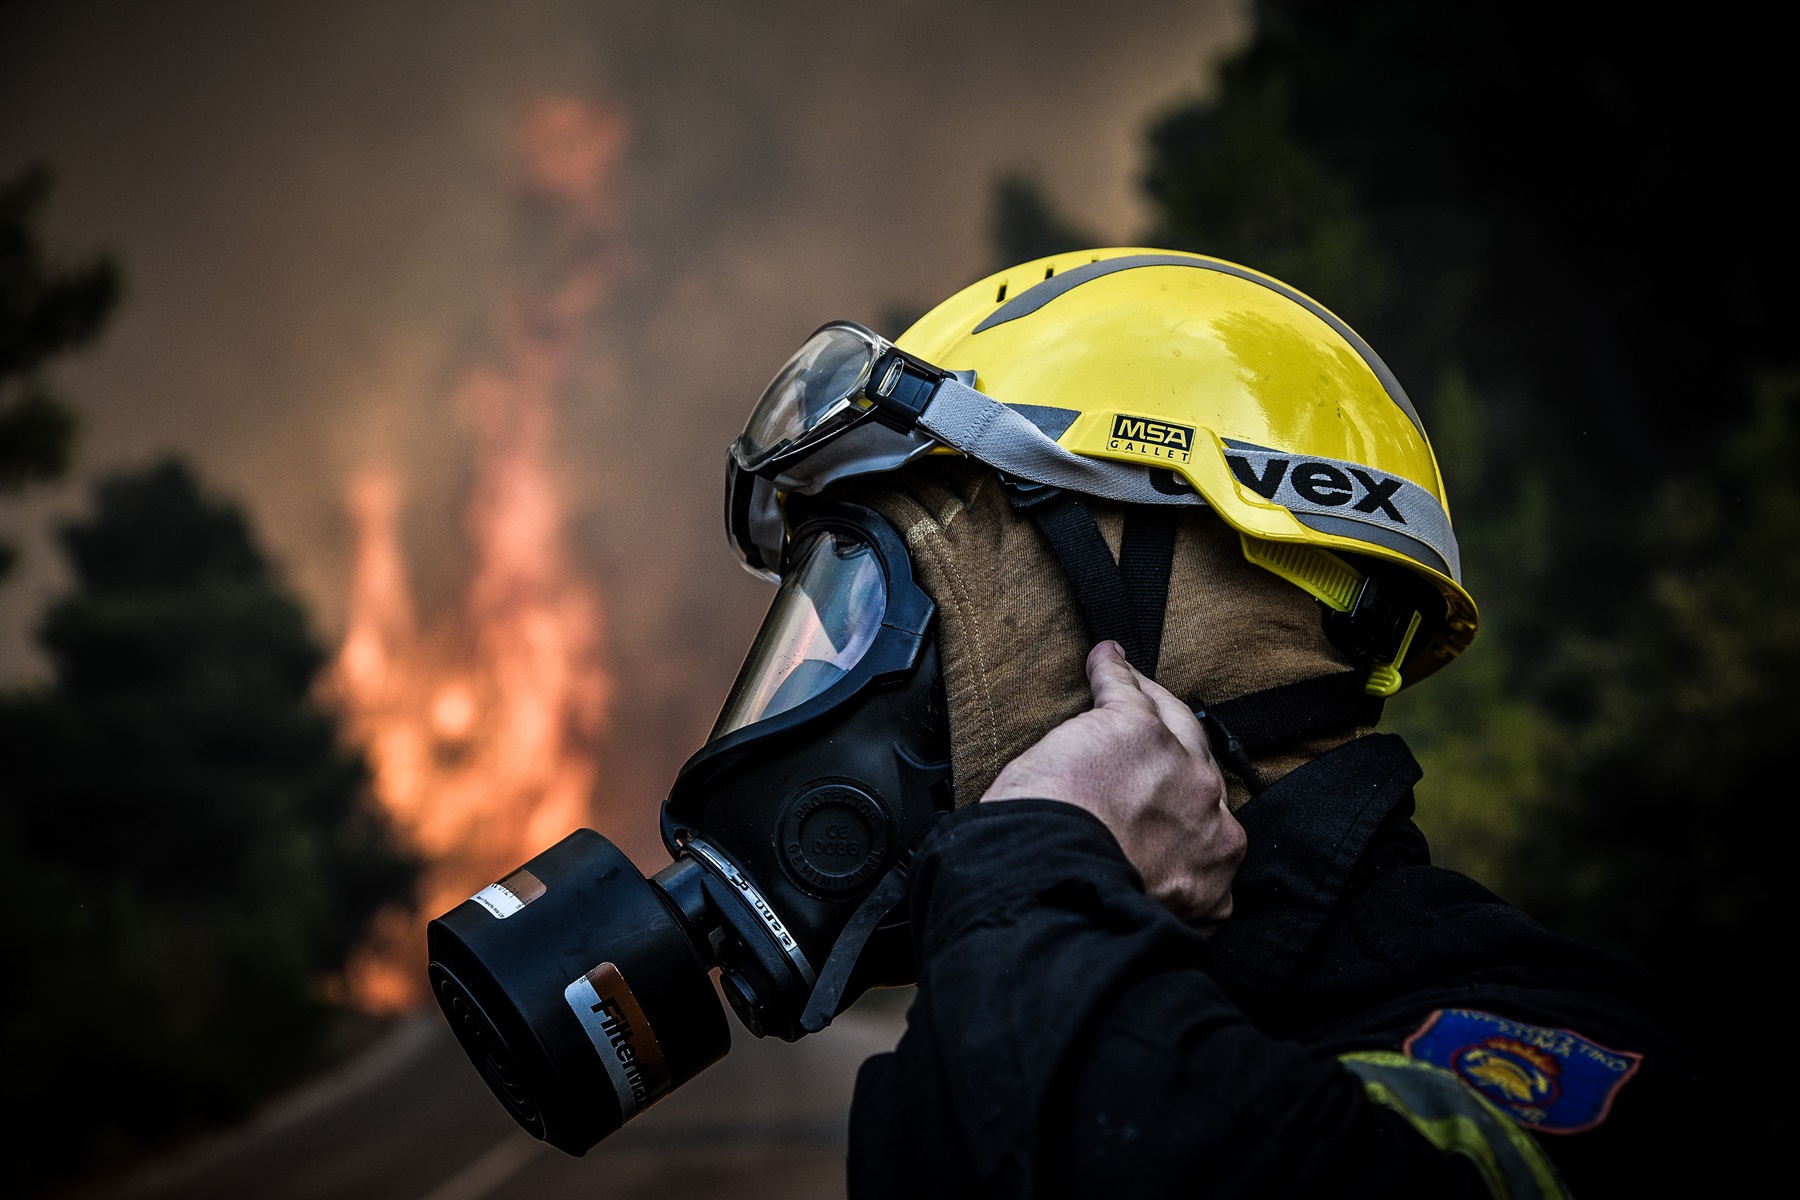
(987, 430)
(900, 386)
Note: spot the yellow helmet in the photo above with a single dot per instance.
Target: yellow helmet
(1150, 376)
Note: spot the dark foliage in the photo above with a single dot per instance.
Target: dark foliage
(1670, 835)
(1580, 213)
(46, 309)
(188, 851)
(1566, 228)
(1024, 225)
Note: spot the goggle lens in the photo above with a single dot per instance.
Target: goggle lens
(815, 392)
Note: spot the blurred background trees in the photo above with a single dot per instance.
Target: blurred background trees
(1568, 235)
(46, 308)
(187, 850)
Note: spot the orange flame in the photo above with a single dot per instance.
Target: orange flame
(482, 731)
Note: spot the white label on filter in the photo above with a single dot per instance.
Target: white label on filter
(498, 901)
(507, 897)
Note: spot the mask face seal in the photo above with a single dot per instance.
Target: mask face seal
(580, 988)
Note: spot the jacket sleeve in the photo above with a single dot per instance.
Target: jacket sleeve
(1068, 1039)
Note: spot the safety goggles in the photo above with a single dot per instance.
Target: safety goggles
(846, 403)
(843, 376)
(849, 402)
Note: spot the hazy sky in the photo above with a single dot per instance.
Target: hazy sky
(311, 203)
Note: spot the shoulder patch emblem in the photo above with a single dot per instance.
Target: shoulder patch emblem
(1550, 1080)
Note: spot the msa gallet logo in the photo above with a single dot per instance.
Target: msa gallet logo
(1151, 438)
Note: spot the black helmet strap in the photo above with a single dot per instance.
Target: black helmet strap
(1123, 600)
(1126, 601)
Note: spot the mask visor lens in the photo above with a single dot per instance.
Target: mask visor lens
(812, 396)
(823, 620)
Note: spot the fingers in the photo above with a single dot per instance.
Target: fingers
(1179, 718)
(1116, 683)
(1140, 762)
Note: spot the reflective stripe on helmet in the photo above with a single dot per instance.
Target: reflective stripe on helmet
(1038, 295)
(1334, 496)
(1351, 500)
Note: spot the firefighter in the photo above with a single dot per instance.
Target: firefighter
(1185, 534)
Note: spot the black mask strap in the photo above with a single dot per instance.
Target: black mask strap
(1126, 601)
(1279, 715)
(1122, 600)
(1146, 557)
(828, 992)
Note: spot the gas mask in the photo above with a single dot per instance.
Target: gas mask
(582, 991)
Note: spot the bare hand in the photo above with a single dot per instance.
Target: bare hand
(1139, 761)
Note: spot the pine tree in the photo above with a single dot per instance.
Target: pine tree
(188, 852)
(46, 309)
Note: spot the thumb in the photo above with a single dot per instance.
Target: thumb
(1114, 683)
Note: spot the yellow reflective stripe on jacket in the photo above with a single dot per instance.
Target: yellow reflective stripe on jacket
(1456, 1119)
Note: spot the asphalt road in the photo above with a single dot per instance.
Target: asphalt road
(409, 1119)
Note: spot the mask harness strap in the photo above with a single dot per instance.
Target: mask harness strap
(1101, 589)
(1126, 601)
(1146, 556)
(1123, 600)
(822, 1005)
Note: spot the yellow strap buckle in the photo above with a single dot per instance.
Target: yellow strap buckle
(1334, 583)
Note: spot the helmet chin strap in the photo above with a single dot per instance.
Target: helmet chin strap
(1125, 601)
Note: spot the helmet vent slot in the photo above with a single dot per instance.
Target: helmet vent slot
(1000, 296)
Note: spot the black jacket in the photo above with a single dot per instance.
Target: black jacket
(1072, 1038)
